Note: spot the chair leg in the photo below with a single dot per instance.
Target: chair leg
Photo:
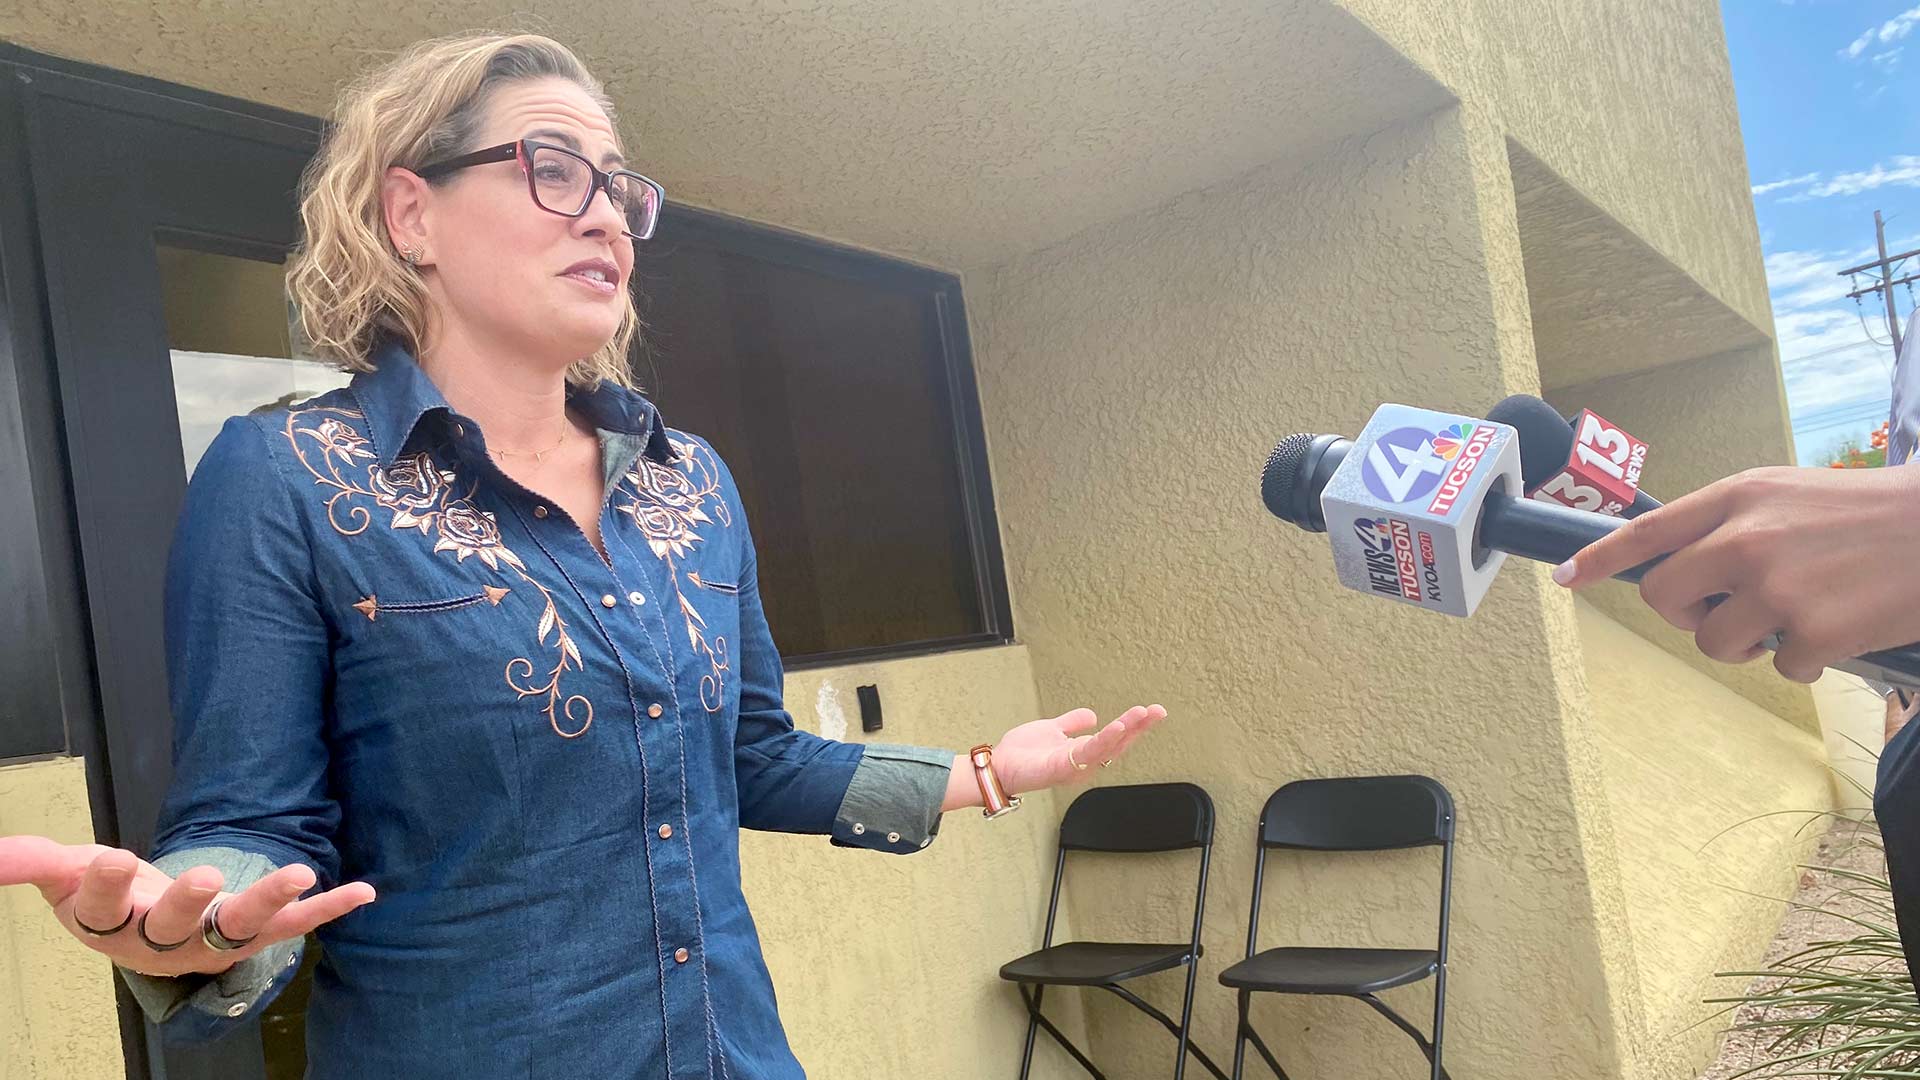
(1265, 1054)
(1166, 1021)
(1033, 1013)
(1239, 1038)
(1033, 1028)
(1186, 1024)
(1427, 1048)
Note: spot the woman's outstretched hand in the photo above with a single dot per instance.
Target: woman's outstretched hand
(1063, 749)
(99, 887)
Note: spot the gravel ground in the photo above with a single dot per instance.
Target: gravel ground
(1839, 848)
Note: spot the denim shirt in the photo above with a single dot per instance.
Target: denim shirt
(394, 664)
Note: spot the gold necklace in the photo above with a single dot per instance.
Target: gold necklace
(538, 456)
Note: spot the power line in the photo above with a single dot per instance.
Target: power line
(1884, 268)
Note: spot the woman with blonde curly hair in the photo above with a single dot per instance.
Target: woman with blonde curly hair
(482, 633)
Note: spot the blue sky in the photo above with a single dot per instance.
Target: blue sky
(1829, 95)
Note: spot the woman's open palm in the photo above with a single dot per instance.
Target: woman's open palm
(1059, 750)
(89, 885)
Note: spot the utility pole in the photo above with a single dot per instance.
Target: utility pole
(1885, 267)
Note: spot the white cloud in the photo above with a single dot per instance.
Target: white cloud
(1904, 172)
(1776, 185)
(1826, 356)
(1886, 33)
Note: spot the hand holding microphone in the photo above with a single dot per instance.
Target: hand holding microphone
(1421, 506)
(1827, 558)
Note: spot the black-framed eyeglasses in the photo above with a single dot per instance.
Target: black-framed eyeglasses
(563, 182)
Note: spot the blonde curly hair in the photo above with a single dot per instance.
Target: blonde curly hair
(348, 284)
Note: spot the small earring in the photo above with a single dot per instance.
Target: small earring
(412, 255)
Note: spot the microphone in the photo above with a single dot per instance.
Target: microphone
(1404, 503)
(1599, 469)
(1423, 508)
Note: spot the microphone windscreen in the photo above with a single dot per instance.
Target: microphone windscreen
(1282, 474)
(1546, 438)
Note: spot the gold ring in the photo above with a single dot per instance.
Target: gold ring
(1070, 759)
(1106, 763)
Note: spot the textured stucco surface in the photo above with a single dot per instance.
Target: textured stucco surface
(1853, 725)
(957, 135)
(1605, 303)
(1693, 772)
(887, 966)
(1632, 103)
(57, 1017)
(1133, 380)
(1702, 419)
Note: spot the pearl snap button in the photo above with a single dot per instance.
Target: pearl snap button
(608, 600)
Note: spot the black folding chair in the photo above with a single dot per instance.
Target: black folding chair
(1128, 819)
(1362, 813)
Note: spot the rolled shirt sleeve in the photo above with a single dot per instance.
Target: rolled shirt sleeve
(192, 1008)
(247, 664)
(893, 800)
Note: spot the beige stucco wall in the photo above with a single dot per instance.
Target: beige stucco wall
(57, 1016)
(1853, 722)
(1714, 802)
(1631, 102)
(1133, 379)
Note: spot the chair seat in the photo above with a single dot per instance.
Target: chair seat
(1331, 971)
(1091, 963)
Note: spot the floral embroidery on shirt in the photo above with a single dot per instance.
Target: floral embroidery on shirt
(669, 503)
(424, 497)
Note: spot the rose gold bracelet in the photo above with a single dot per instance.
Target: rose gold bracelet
(994, 798)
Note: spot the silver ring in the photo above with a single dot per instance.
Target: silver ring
(210, 930)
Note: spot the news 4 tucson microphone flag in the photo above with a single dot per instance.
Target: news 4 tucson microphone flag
(1903, 425)
(1401, 508)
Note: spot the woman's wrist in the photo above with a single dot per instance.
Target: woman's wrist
(963, 790)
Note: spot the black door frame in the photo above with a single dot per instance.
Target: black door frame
(52, 700)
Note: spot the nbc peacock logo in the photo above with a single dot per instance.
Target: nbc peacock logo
(1448, 441)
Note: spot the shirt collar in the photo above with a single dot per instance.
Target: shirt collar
(396, 394)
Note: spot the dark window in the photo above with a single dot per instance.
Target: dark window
(838, 387)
